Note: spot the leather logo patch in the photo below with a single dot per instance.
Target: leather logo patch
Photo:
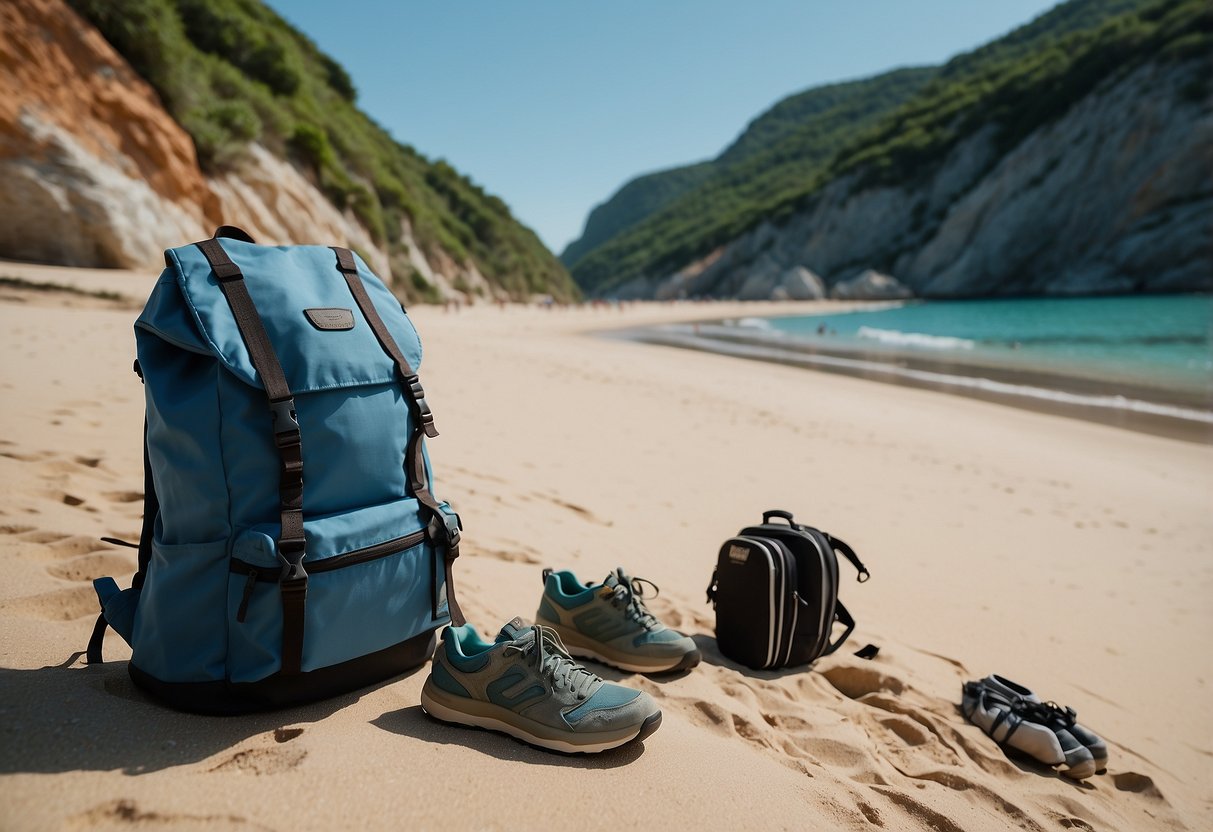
(330, 318)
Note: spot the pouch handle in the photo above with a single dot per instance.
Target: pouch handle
(776, 512)
(233, 232)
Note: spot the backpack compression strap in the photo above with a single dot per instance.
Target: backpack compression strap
(442, 518)
(287, 439)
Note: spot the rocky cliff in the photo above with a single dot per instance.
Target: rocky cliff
(95, 171)
(1115, 196)
(1071, 156)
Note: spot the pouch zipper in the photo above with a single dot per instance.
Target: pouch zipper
(242, 611)
(269, 574)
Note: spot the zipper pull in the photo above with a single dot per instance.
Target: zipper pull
(249, 584)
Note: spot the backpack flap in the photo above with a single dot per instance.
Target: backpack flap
(321, 339)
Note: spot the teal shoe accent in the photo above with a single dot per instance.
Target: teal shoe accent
(607, 696)
(530, 688)
(611, 623)
(443, 679)
(497, 690)
(564, 588)
(546, 611)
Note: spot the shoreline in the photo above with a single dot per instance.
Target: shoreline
(1149, 410)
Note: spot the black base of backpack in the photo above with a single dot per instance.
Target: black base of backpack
(284, 691)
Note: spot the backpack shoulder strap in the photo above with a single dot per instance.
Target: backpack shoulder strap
(442, 518)
(287, 439)
(843, 548)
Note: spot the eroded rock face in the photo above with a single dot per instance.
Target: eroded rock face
(799, 283)
(277, 205)
(870, 285)
(93, 171)
(1114, 196)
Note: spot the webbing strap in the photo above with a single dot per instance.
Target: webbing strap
(414, 457)
(844, 549)
(151, 507)
(287, 440)
(93, 652)
(843, 616)
(409, 379)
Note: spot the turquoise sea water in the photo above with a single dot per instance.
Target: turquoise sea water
(1160, 341)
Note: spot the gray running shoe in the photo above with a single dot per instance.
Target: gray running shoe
(1059, 718)
(610, 622)
(526, 685)
(1016, 723)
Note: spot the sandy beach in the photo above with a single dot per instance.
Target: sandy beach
(1074, 557)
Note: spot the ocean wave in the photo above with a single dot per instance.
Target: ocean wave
(1102, 401)
(752, 323)
(915, 339)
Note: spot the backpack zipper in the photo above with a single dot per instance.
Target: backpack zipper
(242, 611)
(364, 555)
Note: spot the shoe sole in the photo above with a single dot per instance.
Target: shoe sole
(1079, 772)
(685, 662)
(446, 713)
(577, 647)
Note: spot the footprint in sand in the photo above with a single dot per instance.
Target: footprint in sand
(266, 760)
(93, 565)
(13, 529)
(58, 605)
(854, 682)
(507, 555)
(55, 544)
(1131, 781)
(124, 813)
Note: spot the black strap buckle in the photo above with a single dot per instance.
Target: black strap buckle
(417, 394)
(290, 554)
(284, 417)
(445, 526)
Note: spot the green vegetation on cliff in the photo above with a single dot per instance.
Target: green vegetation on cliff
(233, 72)
(1024, 81)
(709, 203)
(1015, 84)
(638, 199)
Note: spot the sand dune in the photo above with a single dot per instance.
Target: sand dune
(1071, 556)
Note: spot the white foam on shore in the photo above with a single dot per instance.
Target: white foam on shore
(773, 353)
(751, 323)
(915, 339)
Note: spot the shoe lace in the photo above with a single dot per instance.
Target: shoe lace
(551, 660)
(1046, 713)
(630, 595)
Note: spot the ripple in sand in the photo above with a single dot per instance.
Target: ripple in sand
(59, 605)
(95, 565)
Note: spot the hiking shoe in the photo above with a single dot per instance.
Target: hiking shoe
(1022, 725)
(526, 685)
(609, 622)
(1062, 719)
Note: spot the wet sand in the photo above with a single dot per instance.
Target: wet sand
(1157, 410)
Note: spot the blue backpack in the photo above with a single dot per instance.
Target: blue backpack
(292, 547)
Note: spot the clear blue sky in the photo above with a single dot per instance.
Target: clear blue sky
(553, 104)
